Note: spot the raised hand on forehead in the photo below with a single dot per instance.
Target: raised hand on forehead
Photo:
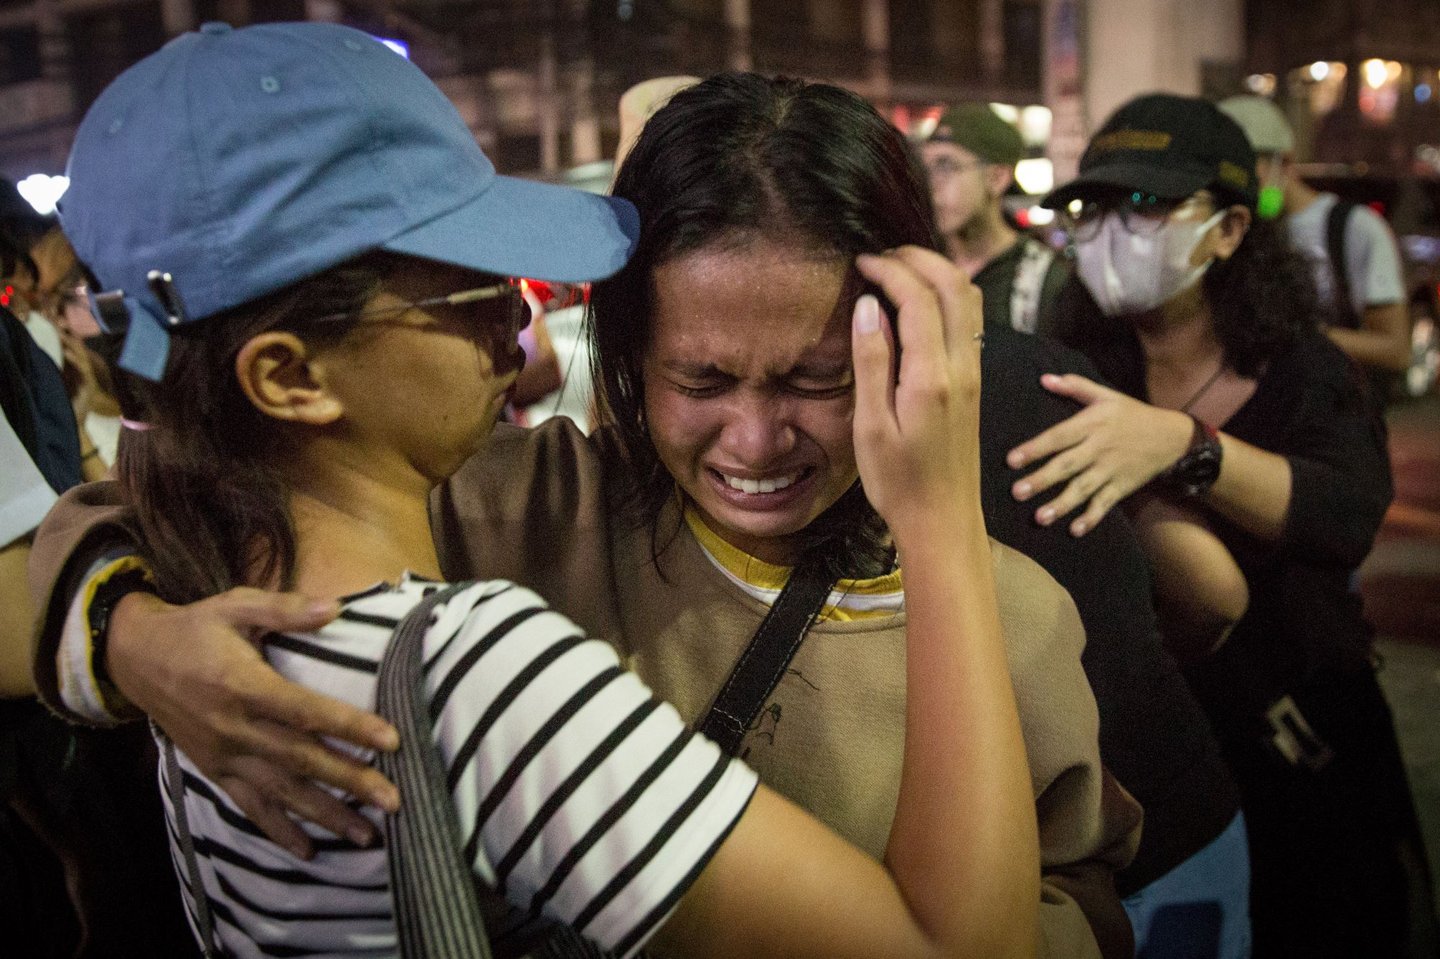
(917, 426)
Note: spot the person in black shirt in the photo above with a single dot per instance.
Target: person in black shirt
(1204, 319)
(1190, 879)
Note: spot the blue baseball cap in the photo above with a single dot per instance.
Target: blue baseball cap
(232, 163)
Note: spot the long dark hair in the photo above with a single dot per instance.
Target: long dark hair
(731, 159)
(211, 503)
(1262, 299)
(20, 229)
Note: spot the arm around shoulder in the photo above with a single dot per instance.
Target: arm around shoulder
(86, 523)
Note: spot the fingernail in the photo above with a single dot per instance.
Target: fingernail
(387, 740)
(1078, 528)
(360, 836)
(867, 314)
(1046, 516)
(386, 799)
(1022, 491)
(321, 607)
(1016, 459)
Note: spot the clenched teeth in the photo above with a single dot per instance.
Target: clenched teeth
(768, 485)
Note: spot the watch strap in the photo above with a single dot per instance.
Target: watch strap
(1199, 466)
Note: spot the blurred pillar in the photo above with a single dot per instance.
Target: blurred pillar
(178, 16)
(1062, 80)
(737, 24)
(1139, 46)
(234, 12)
(584, 124)
(321, 11)
(992, 40)
(952, 35)
(1100, 53)
(875, 31)
(55, 67)
(549, 104)
(54, 42)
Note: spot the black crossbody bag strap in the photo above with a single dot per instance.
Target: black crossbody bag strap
(1335, 246)
(437, 915)
(763, 664)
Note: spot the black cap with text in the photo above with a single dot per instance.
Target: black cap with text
(1167, 145)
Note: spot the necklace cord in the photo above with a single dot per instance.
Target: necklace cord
(1205, 388)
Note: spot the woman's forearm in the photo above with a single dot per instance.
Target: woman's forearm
(1200, 591)
(1253, 489)
(964, 846)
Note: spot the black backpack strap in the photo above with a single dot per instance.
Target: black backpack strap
(1343, 307)
(763, 664)
(437, 915)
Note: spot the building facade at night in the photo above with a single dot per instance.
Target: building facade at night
(539, 80)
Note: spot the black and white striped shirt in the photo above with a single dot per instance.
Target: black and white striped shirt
(581, 797)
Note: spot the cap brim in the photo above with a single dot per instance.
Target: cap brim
(536, 230)
(1170, 183)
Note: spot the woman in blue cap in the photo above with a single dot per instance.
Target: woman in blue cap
(1233, 415)
(307, 253)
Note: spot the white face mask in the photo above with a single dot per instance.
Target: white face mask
(1129, 273)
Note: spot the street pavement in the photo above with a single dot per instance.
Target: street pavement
(1401, 584)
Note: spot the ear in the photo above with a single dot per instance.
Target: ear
(283, 379)
(998, 178)
(1230, 231)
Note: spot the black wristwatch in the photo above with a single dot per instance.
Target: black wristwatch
(1196, 471)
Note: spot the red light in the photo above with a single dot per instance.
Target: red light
(5, 297)
(1377, 206)
(1022, 217)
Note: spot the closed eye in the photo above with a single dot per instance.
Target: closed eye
(813, 391)
(820, 381)
(698, 391)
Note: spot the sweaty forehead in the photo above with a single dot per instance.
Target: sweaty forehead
(764, 307)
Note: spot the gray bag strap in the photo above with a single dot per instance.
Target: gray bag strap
(175, 782)
(437, 915)
(437, 912)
